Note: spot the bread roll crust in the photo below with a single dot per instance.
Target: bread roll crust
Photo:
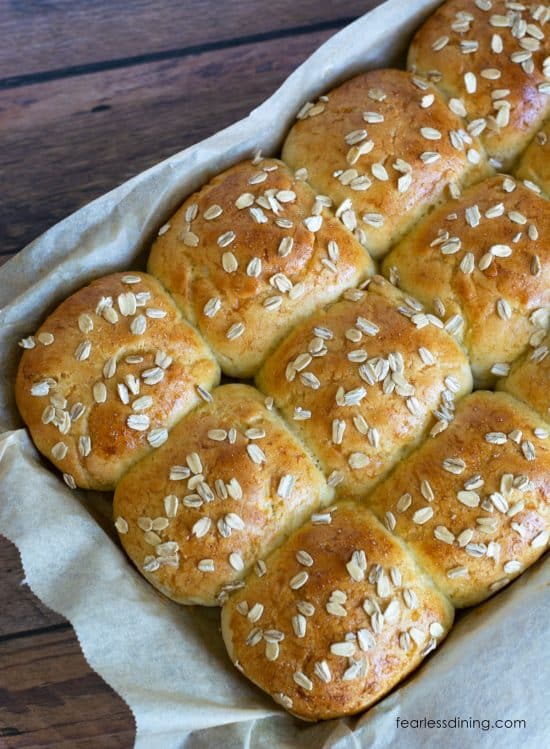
(403, 176)
(459, 39)
(534, 165)
(89, 430)
(385, 613)
(448, 258)
(245, 275)
(362, 415)
(240, 498)
(529, 378)
(473, 504)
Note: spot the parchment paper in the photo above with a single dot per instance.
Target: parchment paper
(168, 662)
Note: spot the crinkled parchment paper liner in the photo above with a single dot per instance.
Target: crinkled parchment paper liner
(166, 661)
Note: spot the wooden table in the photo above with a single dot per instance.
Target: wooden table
(92, 93)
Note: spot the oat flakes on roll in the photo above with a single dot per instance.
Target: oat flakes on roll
(483, 260)
(227, 486)
(364, 380)
(340, 616)
(490, 58)
(529, 379)
(473, 503)
(107, 374)
(385, 147)
(252, 253)
(533, 168)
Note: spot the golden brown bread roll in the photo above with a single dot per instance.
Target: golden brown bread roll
(228, 485)
(473, 503)
(361, 380)
(533, 168)
(384, 146)
(252, 253)
(485, 258)
(341, 615)
(107, 374)
(489, 57)
(529, 379)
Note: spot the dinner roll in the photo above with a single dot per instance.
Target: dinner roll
(484, 259)
(228, 485)
(252, 253)
(533, 168)
(529, 379)
(341, 614)
(107, 374)
(362, 380)
(384, 146)
(473, 504)
(489, 57)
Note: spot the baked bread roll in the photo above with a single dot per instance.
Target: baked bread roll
(473, 504)
(362, 380)
(533, 168)
(484, 259)
(489, 57)
(107, 374)
(529, 379)
(340, 616)
(384, 146)
(228, 485)
(250, 254)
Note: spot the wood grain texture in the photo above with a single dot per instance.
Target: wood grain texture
(20, 610)
(42, 36)
(71, 140)
(49, 697)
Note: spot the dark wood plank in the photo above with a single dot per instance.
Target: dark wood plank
(50, 698)
(39, 36)
(20, 609)
(66, 142)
